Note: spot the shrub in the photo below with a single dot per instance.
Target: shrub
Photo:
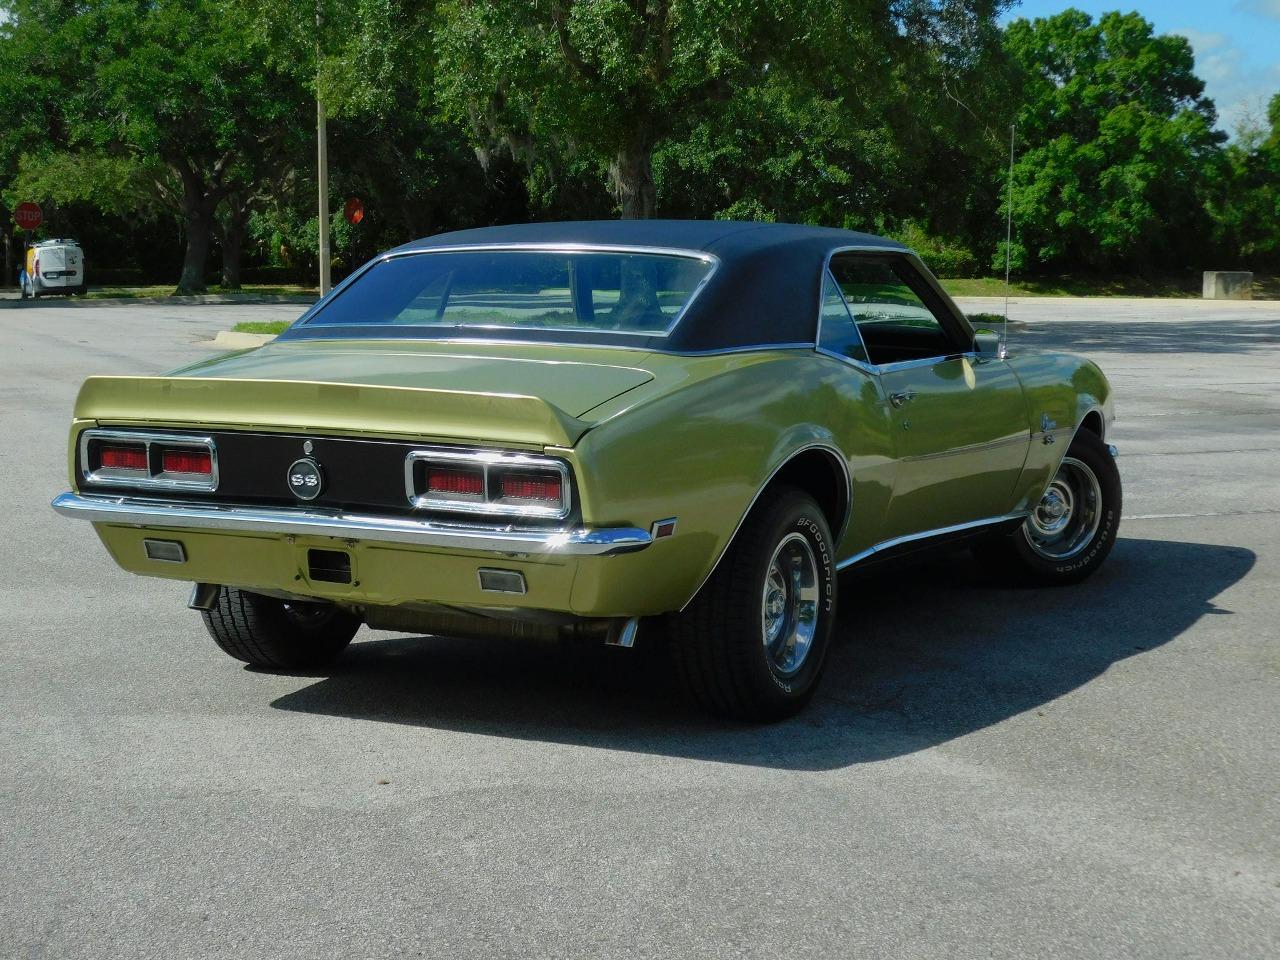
(946, 258)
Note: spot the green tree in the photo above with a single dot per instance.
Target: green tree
(181, 90)
(1245, 199)
(741, 107)
(605, 81)
(1117, 140)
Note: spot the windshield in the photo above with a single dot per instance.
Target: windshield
(640, 293)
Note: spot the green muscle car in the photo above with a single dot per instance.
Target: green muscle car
(677, 429)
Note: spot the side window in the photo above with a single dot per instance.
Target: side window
(894, 321)
(839, 333)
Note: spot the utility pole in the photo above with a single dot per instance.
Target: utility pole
(322, 170)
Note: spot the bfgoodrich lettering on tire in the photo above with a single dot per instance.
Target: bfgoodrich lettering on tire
(752, 644)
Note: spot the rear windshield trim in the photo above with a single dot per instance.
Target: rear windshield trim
(704, 256)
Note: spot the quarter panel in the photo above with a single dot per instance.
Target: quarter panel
(703, 451)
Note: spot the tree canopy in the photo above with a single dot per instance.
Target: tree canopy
(1119, 137)
(133, 119)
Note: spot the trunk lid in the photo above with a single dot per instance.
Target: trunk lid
(527, 394)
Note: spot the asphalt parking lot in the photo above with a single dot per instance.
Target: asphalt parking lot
(988, 772)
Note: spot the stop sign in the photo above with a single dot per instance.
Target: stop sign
(28, 215)
(354, 210)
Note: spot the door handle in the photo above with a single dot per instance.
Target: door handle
(902, 399)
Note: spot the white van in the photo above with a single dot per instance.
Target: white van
(53, 266)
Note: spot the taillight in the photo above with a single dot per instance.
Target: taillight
(199, 462)
(455, 481)
(141, 459)
(488, 482)
(541, 487)
(131, 457)
(36, 267)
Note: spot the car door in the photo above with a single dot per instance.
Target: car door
(958, 418)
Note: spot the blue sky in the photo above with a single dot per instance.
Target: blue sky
(1236, 42)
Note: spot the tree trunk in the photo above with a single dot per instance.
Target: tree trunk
(197, 225)
(232, 244)
(632, 175)
(198, 206)
(9, 273)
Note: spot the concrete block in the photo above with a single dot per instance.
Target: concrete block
(1228, 285)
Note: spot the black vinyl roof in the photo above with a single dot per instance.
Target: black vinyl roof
(765, 290)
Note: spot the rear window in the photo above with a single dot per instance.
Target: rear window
(641, 293)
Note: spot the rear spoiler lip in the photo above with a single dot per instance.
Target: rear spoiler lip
(329, 407)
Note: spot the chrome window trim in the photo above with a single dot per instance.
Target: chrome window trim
(926, 535)
(744, 348)
(927, 361)
(500, 342)
(488, 460)
(316, 522)
(152, 481)
(866, 368)
(822, 298)
(897, 364)
(837, 534)
(687, 253)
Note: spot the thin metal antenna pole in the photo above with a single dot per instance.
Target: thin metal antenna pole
(322, 171)
(1008, 242)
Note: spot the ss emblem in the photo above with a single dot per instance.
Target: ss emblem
(305, 479)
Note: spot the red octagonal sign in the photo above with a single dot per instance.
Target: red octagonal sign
(28, 215)
(354, 210)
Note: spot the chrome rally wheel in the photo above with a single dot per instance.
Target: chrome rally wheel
(789, 606)
(1067, 517)
(1071, 528)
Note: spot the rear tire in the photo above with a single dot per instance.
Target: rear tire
(752, 644)
(1073, 527)
(267, 632)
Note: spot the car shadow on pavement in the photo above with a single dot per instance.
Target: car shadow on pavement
(924, 654)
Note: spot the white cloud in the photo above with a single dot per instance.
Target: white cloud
(1263, 8)
(1239, 89)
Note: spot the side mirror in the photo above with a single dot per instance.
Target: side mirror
(988, 342)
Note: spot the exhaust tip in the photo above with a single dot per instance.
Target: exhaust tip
(204, 596)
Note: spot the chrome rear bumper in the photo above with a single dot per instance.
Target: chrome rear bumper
(314, 522)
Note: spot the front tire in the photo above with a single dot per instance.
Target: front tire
(279, 634)
(1072, 529)
(752, 644)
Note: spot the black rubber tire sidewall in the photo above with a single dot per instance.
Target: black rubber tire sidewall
(1088, 448)
(257, 629)
(718, 642)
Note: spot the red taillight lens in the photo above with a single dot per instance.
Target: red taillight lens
(531, 486)
(455, 481)
(124, 458)
(187, 461)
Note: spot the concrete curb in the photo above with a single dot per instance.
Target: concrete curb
(1193, 301)
(14, 302)
(231, 340)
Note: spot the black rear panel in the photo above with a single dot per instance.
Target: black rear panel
(253, 468)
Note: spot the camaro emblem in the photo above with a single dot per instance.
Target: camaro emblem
(305, 479)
